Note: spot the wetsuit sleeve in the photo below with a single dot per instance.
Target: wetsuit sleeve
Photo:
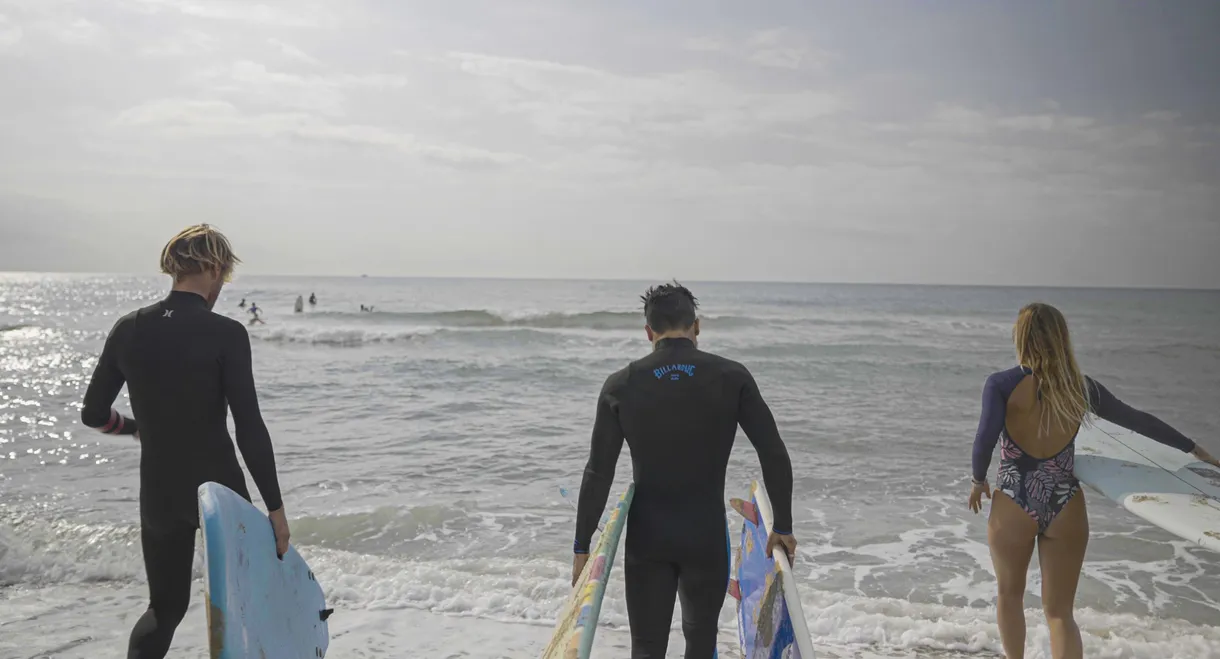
(991, 423)
(755, 418)
(1107, 406)
(252, 437)
(604, 449)
(104, 387)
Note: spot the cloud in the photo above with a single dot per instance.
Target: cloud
(49, 22)
(184, 44)
(493, 131)
(78, 32)
(194, 118)
(10, 32)
(780, 58)
(292, 52)
(777, 48)
(704, 44)
(582, 102)
(1046, 122)
(1163, 115)
(784, 49)
(324, 93)
(303, 14)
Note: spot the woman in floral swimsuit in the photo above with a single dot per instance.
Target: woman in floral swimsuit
(1034, 411)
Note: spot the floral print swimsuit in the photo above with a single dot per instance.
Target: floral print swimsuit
(1043, 486)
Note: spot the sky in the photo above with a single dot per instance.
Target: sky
(1030, 143)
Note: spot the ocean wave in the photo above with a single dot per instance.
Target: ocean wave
(482, 318)
(352, 337)
(37, 550)
(343, 338)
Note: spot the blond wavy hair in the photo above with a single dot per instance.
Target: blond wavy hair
(1045, 347)
(197, 249)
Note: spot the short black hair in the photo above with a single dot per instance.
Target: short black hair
(669, 307)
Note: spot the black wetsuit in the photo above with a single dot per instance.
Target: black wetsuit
(678, 409)
(183, 366)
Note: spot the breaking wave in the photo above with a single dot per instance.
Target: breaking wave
(481, 318)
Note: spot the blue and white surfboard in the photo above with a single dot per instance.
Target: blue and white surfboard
(257, 605)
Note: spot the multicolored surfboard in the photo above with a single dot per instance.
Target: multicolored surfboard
(770, 622)
(573, 637)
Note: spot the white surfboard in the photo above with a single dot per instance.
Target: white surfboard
(1163, 485)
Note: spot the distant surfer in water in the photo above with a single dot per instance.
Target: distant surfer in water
(313, 299)
(1035, 410)
(183, 366)
(299, 306)
(254, 315)
(678, 410)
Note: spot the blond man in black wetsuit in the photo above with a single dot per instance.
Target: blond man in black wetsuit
(185, 368)
(678, 409)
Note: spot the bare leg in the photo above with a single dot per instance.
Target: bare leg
(1010, 534)
(1060, 555)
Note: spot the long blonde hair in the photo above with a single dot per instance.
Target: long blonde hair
(196, 249)
(1045, 347)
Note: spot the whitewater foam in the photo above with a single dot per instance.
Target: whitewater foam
(41, 556)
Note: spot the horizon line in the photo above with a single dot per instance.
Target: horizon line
(648, 280)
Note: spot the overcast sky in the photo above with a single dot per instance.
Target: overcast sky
(926, 142)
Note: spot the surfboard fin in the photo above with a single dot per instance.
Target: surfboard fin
(325, 613)
(746, 509)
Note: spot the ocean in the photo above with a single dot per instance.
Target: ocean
(421, 448)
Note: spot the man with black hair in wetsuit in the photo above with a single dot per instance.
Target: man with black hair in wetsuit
(185, 367)
(678, 410)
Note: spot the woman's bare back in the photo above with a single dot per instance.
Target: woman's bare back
(1025, 426)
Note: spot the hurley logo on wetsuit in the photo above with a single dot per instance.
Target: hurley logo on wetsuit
(674, 371)
(168, 313)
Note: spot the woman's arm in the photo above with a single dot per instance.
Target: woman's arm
(1107, 406)
(991, 423)
(996, 390)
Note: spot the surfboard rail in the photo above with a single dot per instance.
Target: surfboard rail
(577, 621)
(804, 641)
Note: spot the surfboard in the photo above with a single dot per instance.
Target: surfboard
(577, 623)
(257, 605)
(1160, 484)
(770, 621)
